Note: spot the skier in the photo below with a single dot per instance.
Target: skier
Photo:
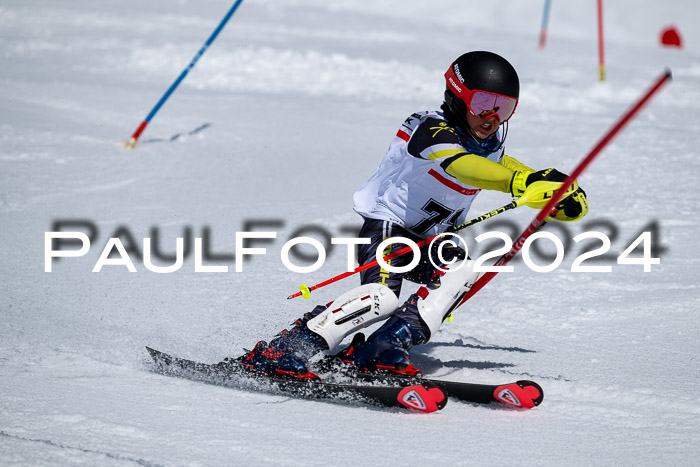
(436, 165)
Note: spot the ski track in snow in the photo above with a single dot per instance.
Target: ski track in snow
(280, 121)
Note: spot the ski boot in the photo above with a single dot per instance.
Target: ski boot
(321, 329)
(386, 349)
(288, 352)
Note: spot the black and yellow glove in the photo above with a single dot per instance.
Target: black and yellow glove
(535, 189)
(573, 207)
(522, 179)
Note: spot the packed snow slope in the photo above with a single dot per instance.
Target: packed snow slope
(282, 119)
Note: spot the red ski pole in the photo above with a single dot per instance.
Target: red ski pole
(541, 218)
(305, 291)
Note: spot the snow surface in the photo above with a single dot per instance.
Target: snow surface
(283, 118)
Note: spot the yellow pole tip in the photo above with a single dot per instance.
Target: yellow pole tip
(305, 292)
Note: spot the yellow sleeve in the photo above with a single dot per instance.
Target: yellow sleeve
(482, 173)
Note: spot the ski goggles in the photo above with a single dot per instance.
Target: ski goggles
(482, 103)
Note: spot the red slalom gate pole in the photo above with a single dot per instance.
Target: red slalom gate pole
(541, 218)
(526, 197)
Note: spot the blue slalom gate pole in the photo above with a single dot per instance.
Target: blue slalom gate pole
(132, 141)
(545, 21)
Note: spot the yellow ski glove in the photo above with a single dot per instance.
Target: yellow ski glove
(573, 207)
(535, 189)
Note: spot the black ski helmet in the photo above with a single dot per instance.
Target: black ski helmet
(484, 71)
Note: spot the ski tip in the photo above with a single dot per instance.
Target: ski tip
(423, 398)
(520, 395)
(159, 358)
(157, 355)
(153, 353)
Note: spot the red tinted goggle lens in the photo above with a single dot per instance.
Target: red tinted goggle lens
(482, 103)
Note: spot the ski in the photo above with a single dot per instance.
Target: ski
(523, 394)
(418, 396)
